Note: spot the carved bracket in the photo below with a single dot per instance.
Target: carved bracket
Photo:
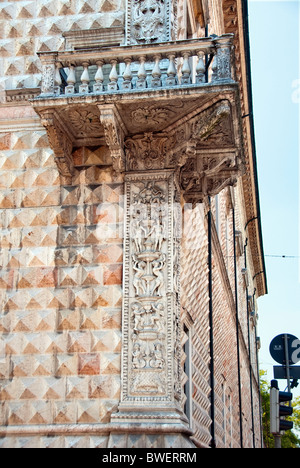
(114, 131)
(60, 143)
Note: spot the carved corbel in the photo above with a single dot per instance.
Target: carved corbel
(114, 131)
(60, 143)
(211, 166)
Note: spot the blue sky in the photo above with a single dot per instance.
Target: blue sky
(275, 49)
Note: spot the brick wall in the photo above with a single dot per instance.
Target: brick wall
(194, 283)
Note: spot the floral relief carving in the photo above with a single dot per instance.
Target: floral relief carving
(150, 115)
(85, 122)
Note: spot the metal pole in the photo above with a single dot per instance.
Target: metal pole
(277, 441)
(287, 363)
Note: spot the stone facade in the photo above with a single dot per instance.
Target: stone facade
(131, 255)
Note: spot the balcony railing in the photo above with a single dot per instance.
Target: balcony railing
(188, 63)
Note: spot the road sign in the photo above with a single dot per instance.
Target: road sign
(280, 372)
(285, 345)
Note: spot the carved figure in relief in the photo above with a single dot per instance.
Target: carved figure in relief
(138, 280)
(138, 357)
(158, 317)
(150, 194)
(157, 361)
(138, 314)
(137, 233)
(148, 317)
(159, 280)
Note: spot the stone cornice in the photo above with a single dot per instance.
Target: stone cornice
(233, 23)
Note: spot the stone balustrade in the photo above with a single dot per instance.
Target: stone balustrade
(187, 63)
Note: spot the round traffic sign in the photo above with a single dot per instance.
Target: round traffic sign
(277, 349)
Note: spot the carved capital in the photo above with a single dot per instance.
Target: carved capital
(60, 143)
(114, 131)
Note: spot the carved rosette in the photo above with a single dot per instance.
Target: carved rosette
(150, 294)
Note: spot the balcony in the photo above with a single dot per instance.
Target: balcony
(135, 68)
(105, 96)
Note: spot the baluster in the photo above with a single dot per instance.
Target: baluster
(57, 80)
(156, 73)
(214, 69)
(71, 80)
(200, 69)
(98, 86)
(171, 72)
(186, 69)
(141, 82)
(113, 77)
(127, 75)
(85, 79)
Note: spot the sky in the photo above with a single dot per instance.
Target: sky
(275, 49)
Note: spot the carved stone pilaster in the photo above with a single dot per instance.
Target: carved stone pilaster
(60, 144)
(48, 77)
(114, 131)
(151, 389)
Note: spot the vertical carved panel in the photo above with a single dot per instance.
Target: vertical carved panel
(149, 21)
(150, 308)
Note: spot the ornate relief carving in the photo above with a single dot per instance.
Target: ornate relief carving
(148, 21)
(149, 291)
(150, 116)
(146, 152)
(182, 149)
(205, 124)
(48, 78)
(84, 121)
